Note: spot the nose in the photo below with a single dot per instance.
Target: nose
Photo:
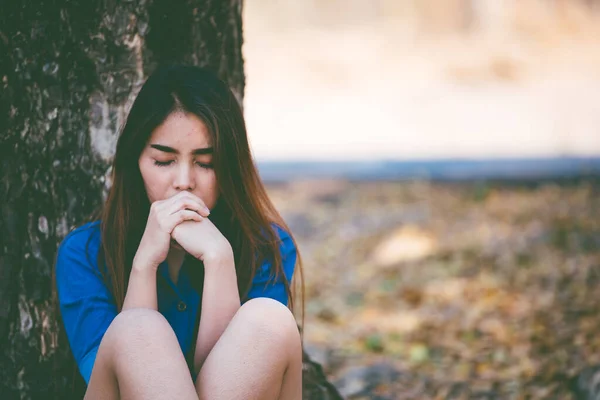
(184, 180)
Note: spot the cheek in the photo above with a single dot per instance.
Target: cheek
(209, 191)
(152, 181)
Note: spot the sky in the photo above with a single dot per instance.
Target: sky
(373, 81)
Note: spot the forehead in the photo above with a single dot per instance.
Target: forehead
(182, 130)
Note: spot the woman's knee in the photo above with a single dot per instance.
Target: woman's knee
(137, 327)
(140, 352)
(269, 319)
(130, 333)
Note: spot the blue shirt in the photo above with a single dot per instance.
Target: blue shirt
(88, 308)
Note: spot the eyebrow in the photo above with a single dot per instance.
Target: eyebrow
(167, 149)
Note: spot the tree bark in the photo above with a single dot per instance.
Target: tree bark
(69, 72)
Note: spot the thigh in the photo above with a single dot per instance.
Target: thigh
(140, 358)
(103, 383)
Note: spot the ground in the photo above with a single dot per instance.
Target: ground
(449, 290)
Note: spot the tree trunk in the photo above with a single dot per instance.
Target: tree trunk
(69, 71)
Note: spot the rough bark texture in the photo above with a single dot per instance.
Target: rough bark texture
(69, 71)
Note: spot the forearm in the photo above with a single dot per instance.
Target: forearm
(141, 291)
(220, 302)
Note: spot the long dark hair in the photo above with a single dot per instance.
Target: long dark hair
(244, 213)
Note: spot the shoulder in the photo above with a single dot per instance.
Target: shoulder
(281, 233)
(83, 236)
(288, 253)
(287, 248)
(82, 243)
(286, 243)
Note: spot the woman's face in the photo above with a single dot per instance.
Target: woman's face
(178, 157)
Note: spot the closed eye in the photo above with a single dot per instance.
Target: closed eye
(166, 163)
(163, 163)
(204, 165)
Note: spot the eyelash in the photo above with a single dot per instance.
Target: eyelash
(167, 163)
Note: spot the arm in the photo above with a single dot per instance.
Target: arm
(220, 299)
(263, 285)
(86, 305)
(220, 302)
(164, 216)
(141, 290)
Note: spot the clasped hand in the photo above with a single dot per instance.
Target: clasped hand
(182, 218)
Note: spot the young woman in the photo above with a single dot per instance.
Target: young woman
(179, 290)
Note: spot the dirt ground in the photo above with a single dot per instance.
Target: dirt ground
(443, 290)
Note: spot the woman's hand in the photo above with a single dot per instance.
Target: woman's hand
(164, 217)
(203, 240)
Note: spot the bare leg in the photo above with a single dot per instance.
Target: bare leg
(140, 358)
(259, 356)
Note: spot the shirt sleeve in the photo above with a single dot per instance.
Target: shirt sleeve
(263, 285)
(86, 305)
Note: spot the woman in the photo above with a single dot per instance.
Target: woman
(179, 290)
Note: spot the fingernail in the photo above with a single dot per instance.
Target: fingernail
(207, 210)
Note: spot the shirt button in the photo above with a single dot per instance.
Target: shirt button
(181, 306)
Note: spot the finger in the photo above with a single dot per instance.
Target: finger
(189, 204)
(191, 196)
(180, 201)
(181, 216)
(205, 210)
(187, 196)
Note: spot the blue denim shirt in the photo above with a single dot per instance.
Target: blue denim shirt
(88, 308)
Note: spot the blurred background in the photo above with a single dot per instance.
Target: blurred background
(422, 78)
(438, 163)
